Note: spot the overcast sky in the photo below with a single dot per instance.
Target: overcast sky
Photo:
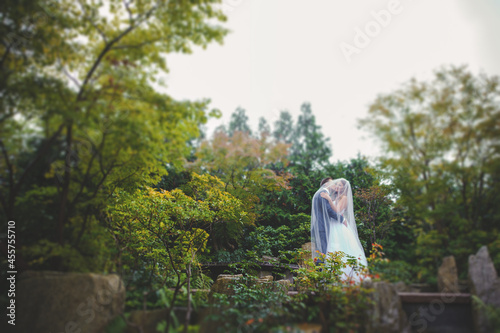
(337, 55)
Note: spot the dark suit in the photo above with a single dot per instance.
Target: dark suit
(321, 203)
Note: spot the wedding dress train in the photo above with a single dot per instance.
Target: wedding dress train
(342, 239)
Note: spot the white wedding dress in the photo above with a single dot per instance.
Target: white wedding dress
(342, 239)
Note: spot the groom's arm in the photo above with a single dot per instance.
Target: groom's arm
(333, 214)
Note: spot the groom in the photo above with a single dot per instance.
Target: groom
(320, 204)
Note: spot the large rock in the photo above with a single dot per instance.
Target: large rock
(386, 314)
(223, 285)
(447, 276)
(283, 284)
(400, 286)
(54, 302)
(307, 248)
(484, 283)
(266, 278)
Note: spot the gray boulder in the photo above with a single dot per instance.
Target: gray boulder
(484, 284)
(67, 302)
(386, 314)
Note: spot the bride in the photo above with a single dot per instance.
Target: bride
(333, 212)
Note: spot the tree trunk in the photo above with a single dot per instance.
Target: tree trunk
(65, 186)
(188, 311)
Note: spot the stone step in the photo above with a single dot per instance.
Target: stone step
(408, 297)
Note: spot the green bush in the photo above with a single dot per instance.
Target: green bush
(323, 298)
(394, 271)
(253, 307)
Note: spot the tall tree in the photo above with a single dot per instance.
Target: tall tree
(441, 141)
(283, 127)
(239, 122)
(79, 114)
(264, 128)
(310, 149)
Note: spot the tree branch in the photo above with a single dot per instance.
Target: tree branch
(87, 173)
(39, 155)
(109, 46)
(127, 8)
(91, 20)
(120, 47)
(6, 53)
(72, 78)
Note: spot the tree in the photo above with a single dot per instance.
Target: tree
(310, 149)
(441, 143)
(161, 234)
(79, 114)
(239, 122)
(227, 212)
(375, 215)
(241, 161)
(283, 128)
(264, 128)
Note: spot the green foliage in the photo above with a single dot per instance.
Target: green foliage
(266, 240)
(494, 249)
(239, 122)
(441, 140)
(266, 307)
(492, 313)
(80, 115)
(310, 149)
(389, 270)
(430, 251)
(325, 271)
(264, 127)
(227, 212)
(376, 215)
(240, 162)
(117, 325)
(254, 307)
(283, 128)
(394, 271)
(161, 235)
(277, 210)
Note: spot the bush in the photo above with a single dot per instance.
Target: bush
(323, 298)
(253, 307)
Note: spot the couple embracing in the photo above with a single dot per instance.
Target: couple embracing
(333, 227)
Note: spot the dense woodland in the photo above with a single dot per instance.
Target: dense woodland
(103, 172)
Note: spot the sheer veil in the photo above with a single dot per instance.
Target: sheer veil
(320, 223)
(337, 189)
(341, 187)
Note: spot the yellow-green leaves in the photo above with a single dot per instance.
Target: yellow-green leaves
(159, 224)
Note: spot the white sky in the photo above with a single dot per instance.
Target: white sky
(282, 53)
